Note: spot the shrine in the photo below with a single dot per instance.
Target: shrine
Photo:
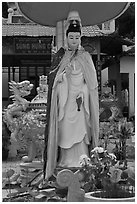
(92, 94)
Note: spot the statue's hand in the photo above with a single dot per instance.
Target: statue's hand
(60, 76)
(79, 101)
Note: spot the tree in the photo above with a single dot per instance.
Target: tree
(125, 24)
(4, 10)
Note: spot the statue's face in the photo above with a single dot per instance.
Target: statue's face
(74, 40)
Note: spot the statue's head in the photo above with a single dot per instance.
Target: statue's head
(43, 83)
(20, 88)
(43, 80)
(25, 87)
(73, 30)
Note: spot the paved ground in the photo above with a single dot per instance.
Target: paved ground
(15, 165)
(6, 165)
(11, 164)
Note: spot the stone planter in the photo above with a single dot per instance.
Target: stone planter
(94, 197)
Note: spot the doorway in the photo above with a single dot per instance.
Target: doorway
(125, 94)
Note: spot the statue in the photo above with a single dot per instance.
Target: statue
(19, 91)
(15, 111)
(72, 127)
(42, 91)
(39, 103)
(25, 119)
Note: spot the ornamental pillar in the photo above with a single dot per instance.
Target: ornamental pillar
(60, 34)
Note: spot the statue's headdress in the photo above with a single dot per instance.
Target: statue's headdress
(74, 27)
(73, 23)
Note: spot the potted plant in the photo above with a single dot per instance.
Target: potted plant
(108, 135)
(124, 132)
(104, 179)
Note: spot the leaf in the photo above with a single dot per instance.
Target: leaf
(115, 175)
(37, 179)
(14, 177)
(4, 174)
(48, 192)
(8, 173)
(4, 182)
(12, 194)
(22, 190)
(124, 175)
(33, 192)
(131, 172)
(41, 198)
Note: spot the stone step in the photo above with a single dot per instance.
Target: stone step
(33, 165)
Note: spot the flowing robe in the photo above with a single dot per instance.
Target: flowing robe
(73, 124)
(89, 73)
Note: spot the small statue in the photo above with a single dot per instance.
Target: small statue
(25, 119)
(38, 102)
(42, 91)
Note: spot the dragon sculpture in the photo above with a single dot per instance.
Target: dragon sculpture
(22, 115)
(15, 111)
(20, 104)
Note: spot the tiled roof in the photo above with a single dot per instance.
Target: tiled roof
(91, 31)
(26, 30)
(38, 30)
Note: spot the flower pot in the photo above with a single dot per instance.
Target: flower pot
(95, 197)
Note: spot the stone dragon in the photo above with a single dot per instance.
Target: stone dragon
(22, 110)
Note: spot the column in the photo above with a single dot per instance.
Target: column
(131, 95)
(10, 14)
(60, 34)
(9, 79)
(13, 73)
(98, 66)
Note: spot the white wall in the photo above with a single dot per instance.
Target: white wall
(127, 65)
(104, 78)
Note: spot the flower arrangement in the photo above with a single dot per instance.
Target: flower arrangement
(108, 131)
(114, 135)
(124, 132)
(102, 172)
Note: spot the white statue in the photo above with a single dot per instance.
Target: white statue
(14, 112)
(25, 119)
(73, 113)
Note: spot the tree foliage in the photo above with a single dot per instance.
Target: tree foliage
(125, 24)
(4, 10)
